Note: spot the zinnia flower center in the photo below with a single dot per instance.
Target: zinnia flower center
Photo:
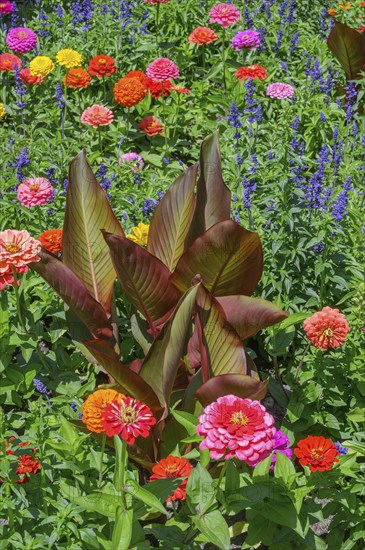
(34, 186)
(171, 470)
(102, 61)
(128, 415)
(13, 247)
(22, 34)
(317, 454)
(327, 333)
(239, 418)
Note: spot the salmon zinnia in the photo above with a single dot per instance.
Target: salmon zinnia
(327, 328)
(173, 467)
(202, 36)
(93, 407)
(318, 453)
(128, 418)
(18, 249)
(151, 126)
(97, 115)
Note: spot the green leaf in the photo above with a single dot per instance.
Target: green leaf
(348, 45)
(200, 489)
(122, 532)
(284, 468)
(293, 319)
(171, 220)
(84, 250)
(214, 527)
(187, 420)
(144, 496)
(101, 503)
(227, 257)
(162, 489)
(261, 471)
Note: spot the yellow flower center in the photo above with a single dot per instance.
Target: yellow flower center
(317, 454)
(22, 34)
(128, 415)
(327, 333)
(239, 418)
(34, 186)
(102, 61)
(13, 247)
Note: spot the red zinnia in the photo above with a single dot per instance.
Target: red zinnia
(30, 79)
(327, 328)
(102, 65)
(252, 71)
(151, 126)
(180, 90)
(173, 467)
(202, 36)
(128, 418)
(77, 78)
(316, 452)
(51, 240)
(8, 60)
(156, 88)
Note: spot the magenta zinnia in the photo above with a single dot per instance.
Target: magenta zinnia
(21, 39)
(128, 418)
(236, 427)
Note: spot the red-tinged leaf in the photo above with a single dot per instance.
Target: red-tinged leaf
(171, 220)
(248, 315)
(75, 294)
(132, 383)
(84, 250)
(348, 45)
(228, 258)
(162, 361)
(143, 277)
(213, 197)
(236, 384)
(220, 345)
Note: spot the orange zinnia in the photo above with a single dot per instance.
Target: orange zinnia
(51, 240)
(102, 65)
(332, 12)
(77, 78)
(129, 91)
(202, 36)
(318, 453)
(94, 406)
(251, 71)
(173, 467)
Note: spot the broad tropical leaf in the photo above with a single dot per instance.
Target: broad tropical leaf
(248, 315)
(241, 385)
(162, 361)
(171, 220)
(84, 250)
(228, 258)
(213, 197)
(348, 45)
(143, 277)
(74, 293)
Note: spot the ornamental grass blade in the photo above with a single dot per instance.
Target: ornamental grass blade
(348, 45)
(132, 383)
(83, 247)
(75, 294)
(171, 220)
(248, 315)
(241, 385)
(213, 197)
(220, 345)
(143, 277)
(162, 361)
(228, 258)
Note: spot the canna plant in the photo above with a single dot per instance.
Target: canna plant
(190, 292)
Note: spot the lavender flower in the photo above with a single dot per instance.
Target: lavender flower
(20, 89)
(60, 100)
(234, 119)
(105, 181)
(340, 206)
(342, 450)
(60, 15)
(21, 161)
(314, 191)
(39, 386)
(44, 21)
(294, 42)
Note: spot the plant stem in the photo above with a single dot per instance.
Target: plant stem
(278, 377)
(301, 363)
(210, 502)
(16, 292)
(224, 58)
(103, 440)
(164, 113)
(123, 469)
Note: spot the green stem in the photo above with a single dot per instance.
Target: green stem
(301, 363)
(210, 502)
(9, 509)
(224, 58)
(103, 441)
(278, 377)
(123, 471)
(157, 18)
(164, 113)
(16, 292)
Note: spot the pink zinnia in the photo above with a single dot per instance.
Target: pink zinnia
(327, 328)
(162, 69)
(278, 90)
(34, 192)
(128, 418)
(224, 14)
(132, 157)
(246, 39)
(17, 248)
(6, 7)
(281, 445)
(97, 115)
(21, 39)
(236, 427)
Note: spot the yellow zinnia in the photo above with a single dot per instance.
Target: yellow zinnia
(69, 58)
(2, 111)
(41, 66)
(139, 234)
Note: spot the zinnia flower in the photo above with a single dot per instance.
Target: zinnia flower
(318, 453)
(278, 90)
(139, 234)
(236, 427)
(327, 328)
(97, 115)
(102, 65)
(2, 111)
(17, 248)
(69, 58)
(129, 91)
(332, 12)
(128, 418)
(252, 71)
(246, 39)
(150, 126)
(94, 405)
(6, 7)
(162, 69)
(30, 79)
(202, 36)
(34, 192)
(157, 1)
(41, 66)
(224, 14)
(132, 157)
(7, 278)
(51, 240)
(281, 445)
(8, 60)
(138, 74)
(344, 5)
(157, 89)
(77, 78)
(180, 90)
(21, 39)
(173, 467)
